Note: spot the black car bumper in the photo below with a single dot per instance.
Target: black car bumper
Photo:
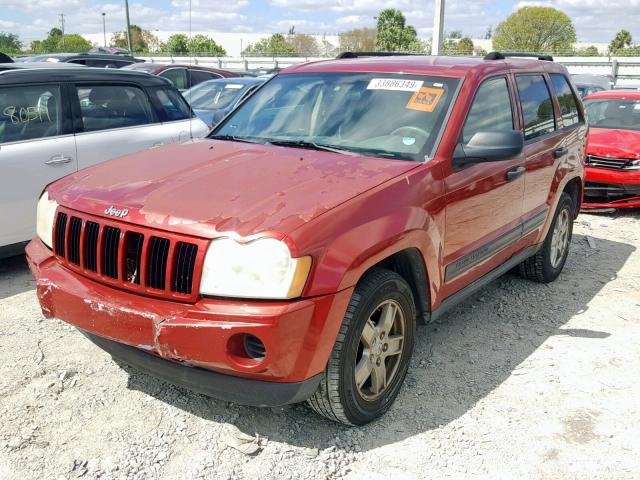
(224, 387)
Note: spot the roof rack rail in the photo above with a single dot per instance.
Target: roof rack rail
(372, 54)
(503, 56)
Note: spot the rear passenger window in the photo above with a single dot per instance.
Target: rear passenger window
(172, 105)
(568, 104)
(29, 112)
(491, 109)
(177, 76)
(113, 106)
(537, 108)
(198, 76)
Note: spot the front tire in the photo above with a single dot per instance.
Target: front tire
(371, 355)
(548, 262)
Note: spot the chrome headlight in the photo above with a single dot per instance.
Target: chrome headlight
(45, 218)
(263, 268)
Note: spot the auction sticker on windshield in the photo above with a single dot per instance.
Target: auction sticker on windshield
(426, 99)
(395, 84)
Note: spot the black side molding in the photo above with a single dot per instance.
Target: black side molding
(470, 289)
(244, 391)
(487, 250)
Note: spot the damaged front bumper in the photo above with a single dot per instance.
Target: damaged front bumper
(199, 345)
(611, 189)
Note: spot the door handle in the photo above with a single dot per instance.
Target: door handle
(58, 160)
(560, 152)
(515, 173)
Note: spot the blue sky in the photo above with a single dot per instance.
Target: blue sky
(595, 20)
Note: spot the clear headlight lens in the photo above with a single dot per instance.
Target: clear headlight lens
(45, 218)
(635, 165)
(263, 268)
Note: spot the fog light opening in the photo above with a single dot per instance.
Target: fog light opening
(246, 349)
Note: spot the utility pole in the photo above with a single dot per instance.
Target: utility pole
(104, 29)
(62, 15)
(438, 23)
(126, 7)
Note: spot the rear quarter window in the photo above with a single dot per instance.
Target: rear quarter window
(537, 107)
(171, 105)
(569, 110)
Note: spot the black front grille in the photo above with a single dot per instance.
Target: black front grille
(110, 245)
(185, 258)
(135, 260)
(73, 240)
(133, 257)
(608, 163)
(91, 233)
(158, 256)
(61, 228)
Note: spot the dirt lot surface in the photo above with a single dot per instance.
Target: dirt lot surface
(521, 381)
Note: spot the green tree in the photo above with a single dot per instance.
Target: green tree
(358, 40)
(204, 44)
(304, 45)
(590, 51)
(394, 34)
(74, 43)
(61, 43)
(621, 41)
(55, 32)
(465, 46)
(275, 45)
(10, 43)
(141, 40)
(178, 44)
(535, 29)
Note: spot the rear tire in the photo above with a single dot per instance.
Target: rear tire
(371, 355)
(548, 262)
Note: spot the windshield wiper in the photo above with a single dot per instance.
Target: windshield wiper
(234, 138)
(310, 145)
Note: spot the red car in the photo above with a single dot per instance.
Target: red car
(613, 150)
(182, 76)
(289, 256)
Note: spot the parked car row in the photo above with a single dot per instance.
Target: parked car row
(54, 122)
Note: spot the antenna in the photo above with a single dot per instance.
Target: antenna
(62, 15)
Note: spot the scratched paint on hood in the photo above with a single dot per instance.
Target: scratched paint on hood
(206, 187)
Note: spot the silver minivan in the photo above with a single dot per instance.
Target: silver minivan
(54, 122)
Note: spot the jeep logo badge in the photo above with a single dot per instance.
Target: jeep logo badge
(114, 212)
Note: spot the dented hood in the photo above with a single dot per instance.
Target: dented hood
(605, 142)
(209, 187)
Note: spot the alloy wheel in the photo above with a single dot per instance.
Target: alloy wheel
(380, 350)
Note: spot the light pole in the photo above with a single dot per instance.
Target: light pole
(126, 7)
(104, 28)
(438, 21)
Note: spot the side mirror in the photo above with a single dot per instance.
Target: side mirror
(489, 146)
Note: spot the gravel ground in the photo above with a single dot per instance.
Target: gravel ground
(523, 380)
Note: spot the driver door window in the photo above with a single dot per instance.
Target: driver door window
(491, 109)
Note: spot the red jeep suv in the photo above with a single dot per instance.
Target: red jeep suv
(289, 256)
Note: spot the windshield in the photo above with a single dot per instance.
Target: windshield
(214, 95)
(375, 114)
(619, 113)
